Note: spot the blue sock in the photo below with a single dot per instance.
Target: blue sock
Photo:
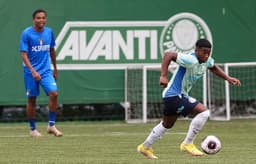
(32, 123)
(52, 118)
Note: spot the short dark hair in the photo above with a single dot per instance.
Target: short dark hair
(38, 11)
(203, 43)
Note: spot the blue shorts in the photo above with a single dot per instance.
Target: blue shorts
(178, 105)
(47, 82)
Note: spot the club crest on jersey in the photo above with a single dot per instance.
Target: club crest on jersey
(182, 31)
(41, 42)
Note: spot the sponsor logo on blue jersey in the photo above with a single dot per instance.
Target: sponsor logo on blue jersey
(40, 48)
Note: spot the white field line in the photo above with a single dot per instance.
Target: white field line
(110, 134)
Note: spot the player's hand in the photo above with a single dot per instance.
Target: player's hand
(234, 81)
(163, 81)
(36, 75)
(55, 74)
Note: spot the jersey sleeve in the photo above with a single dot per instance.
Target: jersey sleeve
(210, 62)
(24, 42)
(186, 60)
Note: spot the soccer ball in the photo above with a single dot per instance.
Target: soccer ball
(211, 145)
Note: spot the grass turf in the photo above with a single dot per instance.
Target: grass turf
(116, 142)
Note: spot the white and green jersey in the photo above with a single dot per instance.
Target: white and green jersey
(187, 73)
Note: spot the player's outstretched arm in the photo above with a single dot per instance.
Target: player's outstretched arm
(168, 57)
(219, 72)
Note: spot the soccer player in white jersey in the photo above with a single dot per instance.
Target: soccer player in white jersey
(37, 50)
(176, 100)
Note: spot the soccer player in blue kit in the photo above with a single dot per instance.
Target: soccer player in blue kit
(37, 50)
(176, 100)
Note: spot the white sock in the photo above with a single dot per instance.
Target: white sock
(196, 125)
(155, 135)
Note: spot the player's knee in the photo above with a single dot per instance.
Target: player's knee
(206, 114)
(167, 125)
(32, 100)
(53, 94)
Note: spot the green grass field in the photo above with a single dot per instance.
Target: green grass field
(116, 142)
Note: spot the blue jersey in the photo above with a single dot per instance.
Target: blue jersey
(37, 45)
(187, 73)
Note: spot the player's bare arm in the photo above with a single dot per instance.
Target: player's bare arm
(219, 72)
(53, 58)
(168, 57)
(28, 64)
